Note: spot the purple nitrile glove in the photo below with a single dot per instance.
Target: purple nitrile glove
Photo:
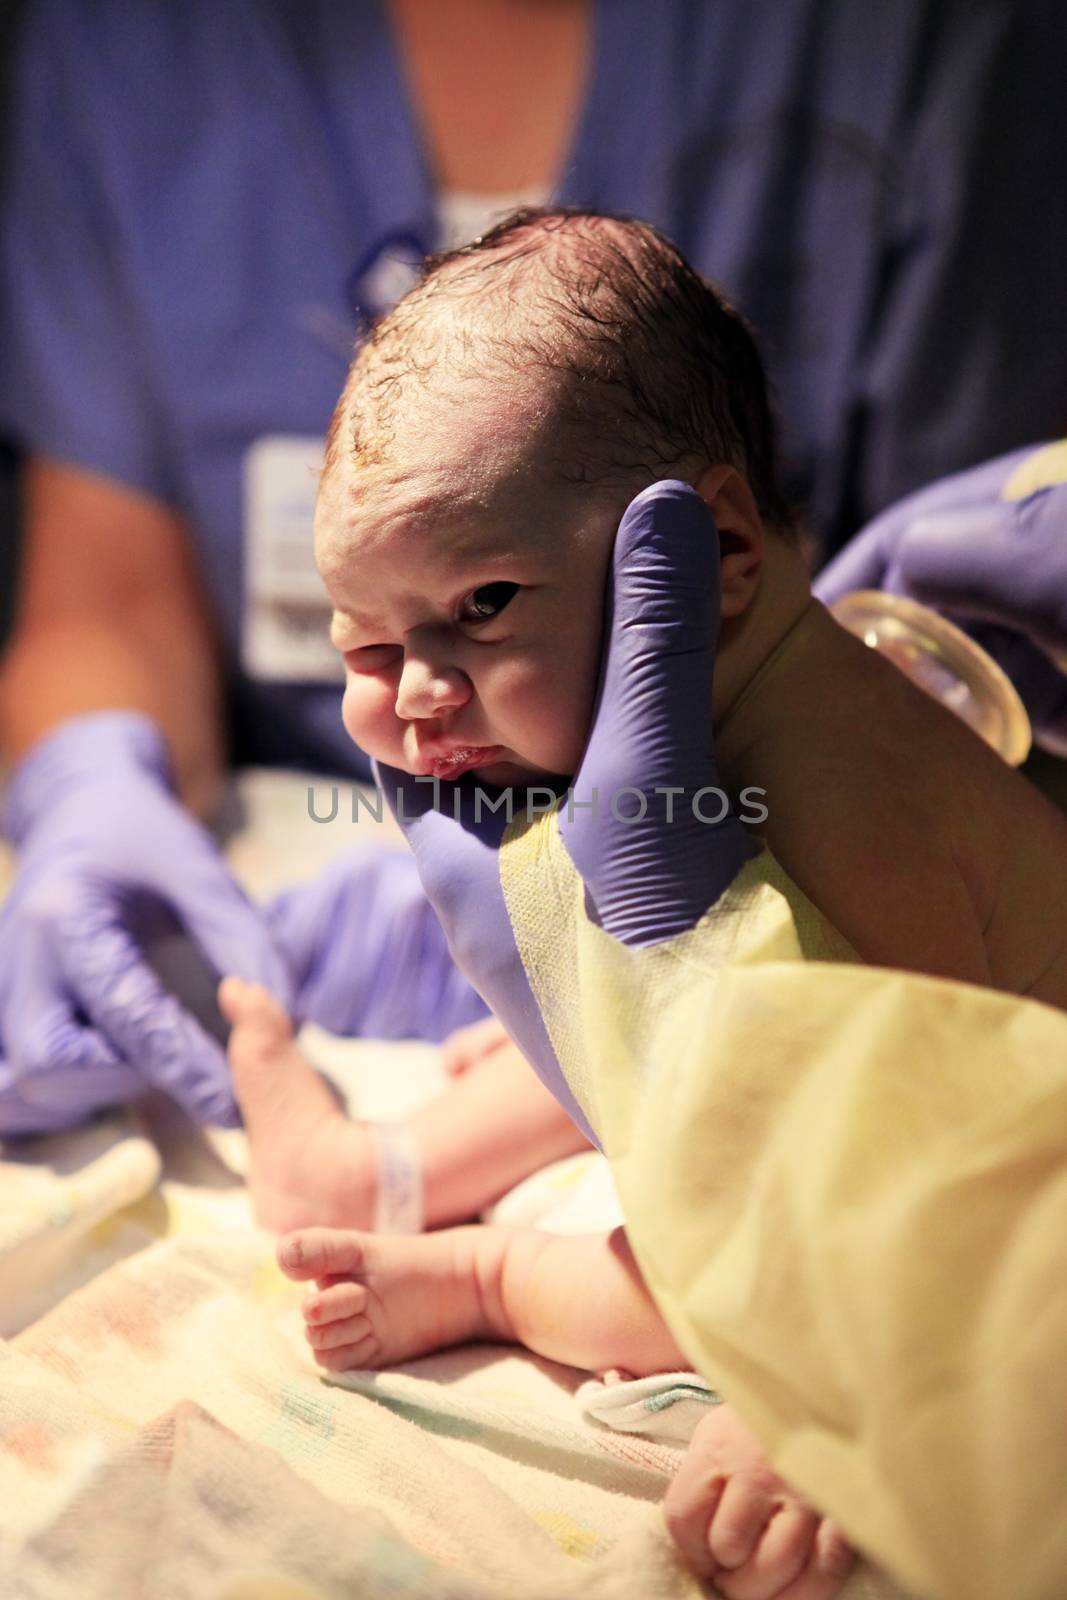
(367, 952)
(997, 566)
(649, 877)
(104, 849)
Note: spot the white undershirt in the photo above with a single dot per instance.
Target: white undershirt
(462, 216)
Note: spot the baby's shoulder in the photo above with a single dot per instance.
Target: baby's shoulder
(918, 843)
(1020, 857)
(880, 861)
(927, 852)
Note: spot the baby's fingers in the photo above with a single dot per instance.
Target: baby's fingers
(780, 1556)
(831, 1562)
(688, 1509)
(746, 1506)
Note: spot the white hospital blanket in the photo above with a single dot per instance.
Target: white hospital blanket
(164, 1433)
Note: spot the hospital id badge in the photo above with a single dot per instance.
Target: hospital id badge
(285, 630)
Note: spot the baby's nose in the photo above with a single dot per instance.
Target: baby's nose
(430, 689)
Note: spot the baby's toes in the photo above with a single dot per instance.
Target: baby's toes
(322, 1253)
(364, 1356)
(260, 1023)
(232, 996)
(332, 1335)
(335, 1304)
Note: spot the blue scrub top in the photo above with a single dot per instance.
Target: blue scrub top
(191, 188)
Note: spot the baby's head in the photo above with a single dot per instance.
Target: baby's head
(492, 430)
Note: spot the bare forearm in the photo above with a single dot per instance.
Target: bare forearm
(111, 615)
(492, 1126)
(57, 673)
(579, 1300)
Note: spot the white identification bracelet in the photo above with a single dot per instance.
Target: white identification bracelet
(398, 1205)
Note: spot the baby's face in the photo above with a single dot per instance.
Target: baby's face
(468, 592)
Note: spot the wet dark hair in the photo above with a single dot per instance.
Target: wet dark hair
(652, 366)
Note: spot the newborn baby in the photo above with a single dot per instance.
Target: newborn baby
(492, 432)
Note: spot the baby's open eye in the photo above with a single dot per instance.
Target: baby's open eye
(487, 602)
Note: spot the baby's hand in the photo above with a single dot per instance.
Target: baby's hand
(734, 1520)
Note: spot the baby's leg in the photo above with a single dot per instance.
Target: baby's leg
(383, 1300)
(312, 1164)
(581, 1300)
(309, 1161)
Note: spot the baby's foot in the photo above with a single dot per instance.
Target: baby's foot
(736, 1521)
(386, 1299)
(309, 1161)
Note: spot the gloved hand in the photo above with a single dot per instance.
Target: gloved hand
(649, 875)
(989, 547)
(104, 848)
(366, 951)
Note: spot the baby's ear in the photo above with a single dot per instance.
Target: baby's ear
(733, 506)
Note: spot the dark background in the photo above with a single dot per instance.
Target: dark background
(1049, 773)
(9, 14)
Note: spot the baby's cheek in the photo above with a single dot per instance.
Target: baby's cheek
(367, 712)
(554, 705)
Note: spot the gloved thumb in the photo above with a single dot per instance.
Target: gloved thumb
(647, 825)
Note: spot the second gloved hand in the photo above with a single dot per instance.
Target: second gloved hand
(988, 547)
(103, 848)
(367, 953)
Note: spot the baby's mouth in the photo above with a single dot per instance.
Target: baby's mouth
(447, 765)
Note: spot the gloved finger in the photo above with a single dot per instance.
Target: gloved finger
(56, 1063)
(38, 1097)
(866, 562)
(663, 623)
(455, 863)
(125, 1001)
(320, 929)
(295, 917)
(662, 842)
(368, 953)
(861, 564)
(231, 932)
(1004, 562)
